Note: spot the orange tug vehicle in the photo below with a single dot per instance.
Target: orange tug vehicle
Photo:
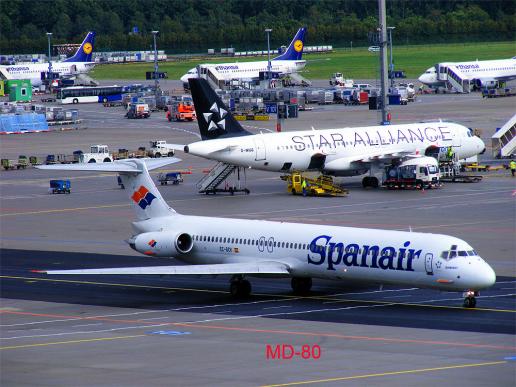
(181, 111)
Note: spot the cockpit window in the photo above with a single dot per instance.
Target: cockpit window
(454, 254)
(463, 254)
(472, 253)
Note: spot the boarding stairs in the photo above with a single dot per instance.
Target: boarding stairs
(504, 140)
(216, 176)
(458, 80)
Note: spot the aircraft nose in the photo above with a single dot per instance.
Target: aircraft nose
(486, 276)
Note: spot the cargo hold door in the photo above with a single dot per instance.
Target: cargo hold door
(260, 149)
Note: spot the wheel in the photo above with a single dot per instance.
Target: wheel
(107, 160)
(170, 154)
(231, 191)
(293, 191)
(240, 288)
(301, 285)
(92, 161)
(157, 155)
(366, 182)
(247, 192)
(75, 101)
(373, 182)
(470, 302)
(104, 100)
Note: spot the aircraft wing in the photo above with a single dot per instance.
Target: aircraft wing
(116, 166)
(266, 267)
(383, 156)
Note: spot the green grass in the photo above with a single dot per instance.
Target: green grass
(356, 64)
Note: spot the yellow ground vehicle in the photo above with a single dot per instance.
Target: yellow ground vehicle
(319, 186)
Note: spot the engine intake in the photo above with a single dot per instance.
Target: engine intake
(184, 243)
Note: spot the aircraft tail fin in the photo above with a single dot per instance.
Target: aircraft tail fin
(295, 49)
(145, 197)
(85, 52)
(213, 116)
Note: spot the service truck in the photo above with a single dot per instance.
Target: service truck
(159, 148)
(419, 172)
(138, 110)
(97, 154)
(181, 111)
(337, 79)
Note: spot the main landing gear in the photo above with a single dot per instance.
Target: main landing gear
(239, 287)
(370, 181)
(301, 285)
(470, 301)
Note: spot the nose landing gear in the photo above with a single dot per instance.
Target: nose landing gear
(470, 301)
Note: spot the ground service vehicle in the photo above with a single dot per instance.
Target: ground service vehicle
(181, 111)
(21, 163)
(337, 79)
(98, 154)
(60, 186)
(318, 186)
(171, 177)
(85, 94)
(138, 110)
(421, 172)
(159, 148)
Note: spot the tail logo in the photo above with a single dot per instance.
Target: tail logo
(87, 48)
(298, 45)
(143, 197)
(215, 119)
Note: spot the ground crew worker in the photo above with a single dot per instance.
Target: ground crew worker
(449, 153)
(303, 186)
(512, 166)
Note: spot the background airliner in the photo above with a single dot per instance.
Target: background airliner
(288, 62)
(338, 152)
(241, 247)
(482, 73)
(80, 63)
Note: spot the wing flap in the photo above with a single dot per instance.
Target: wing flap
(268, 267)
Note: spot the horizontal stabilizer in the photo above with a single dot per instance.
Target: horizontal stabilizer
(223, 268)
(127, 165)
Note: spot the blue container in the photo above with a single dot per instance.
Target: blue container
(394, 99)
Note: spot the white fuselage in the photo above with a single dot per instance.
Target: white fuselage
(33, 71)
(247, 70)
(321, 251)
(346, 151)
(484, 70)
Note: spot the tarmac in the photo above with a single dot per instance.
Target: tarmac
(184, 331)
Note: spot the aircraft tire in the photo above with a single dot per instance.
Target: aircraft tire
(470, 302)
(301, 285)
(240, 288)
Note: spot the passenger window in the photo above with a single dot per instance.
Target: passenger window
(295, 245)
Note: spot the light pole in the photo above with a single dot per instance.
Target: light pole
(156, 83)
(268, 31)
(49, 36)
(391, 64)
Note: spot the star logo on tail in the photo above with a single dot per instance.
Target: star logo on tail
(216, 118)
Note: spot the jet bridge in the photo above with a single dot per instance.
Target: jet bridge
(504, 140)
(217, 175)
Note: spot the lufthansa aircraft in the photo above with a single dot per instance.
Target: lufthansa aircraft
(81, 62)
(286, 63)
(241, 247)
(337, 152)
(482, 73)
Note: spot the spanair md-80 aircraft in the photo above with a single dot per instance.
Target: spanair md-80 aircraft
(481, 73)
(337, 152)
(80, 63)
(242, 248)
(287, 63)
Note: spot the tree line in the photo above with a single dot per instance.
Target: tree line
(193, 25)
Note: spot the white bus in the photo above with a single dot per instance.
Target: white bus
(84, 94)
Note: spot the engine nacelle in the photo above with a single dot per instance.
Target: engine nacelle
(162, 244)
(184, 243)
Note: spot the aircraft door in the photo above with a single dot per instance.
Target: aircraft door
(429, 257)
(260, 149)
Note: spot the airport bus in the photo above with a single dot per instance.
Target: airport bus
(84, 94)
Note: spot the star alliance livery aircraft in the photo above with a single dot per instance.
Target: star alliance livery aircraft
(241, 247)
(80, 63)
(337, 152)
(288, 62)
